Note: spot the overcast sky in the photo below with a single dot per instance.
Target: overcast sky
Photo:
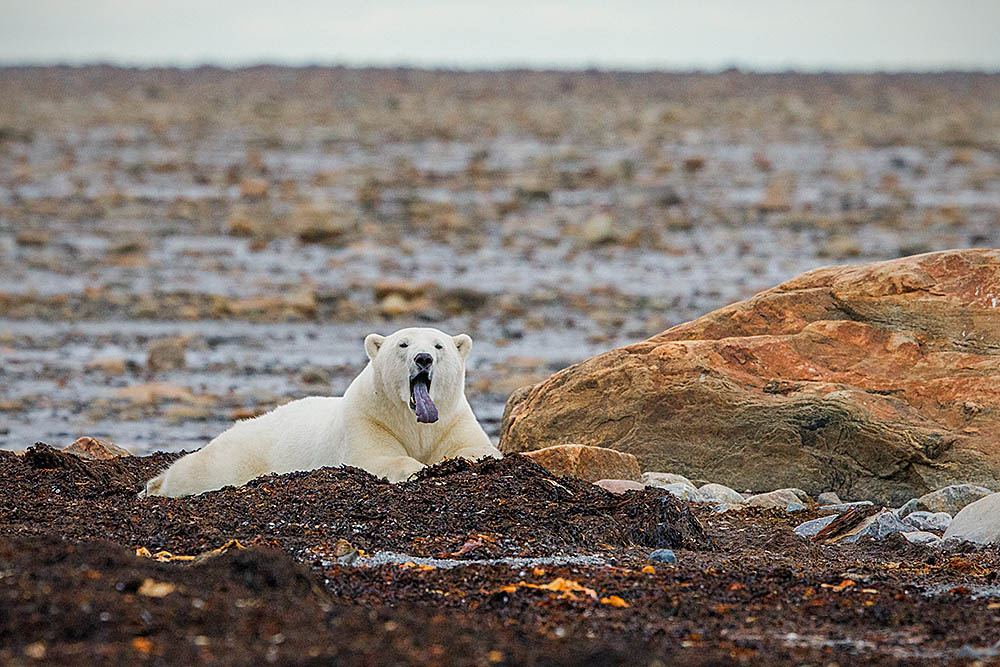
(707, 34)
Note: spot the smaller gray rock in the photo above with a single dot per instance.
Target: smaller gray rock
(926, 521)
(781, 498)
(810, 528)
(795, 507)
(720, 493)
(828, 498)
(922, 537)
(950, 499)
(661, 479)
(663, 556)
(878, 526)
(684, 491)
(977, 522)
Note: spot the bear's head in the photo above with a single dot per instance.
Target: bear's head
(423, 368)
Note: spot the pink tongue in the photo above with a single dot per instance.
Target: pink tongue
(427, 412)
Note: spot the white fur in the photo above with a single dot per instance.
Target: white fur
(372, 427)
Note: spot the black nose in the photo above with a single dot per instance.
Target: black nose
(423, 360)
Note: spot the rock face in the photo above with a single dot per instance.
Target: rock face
(871, 380)
(589, 463)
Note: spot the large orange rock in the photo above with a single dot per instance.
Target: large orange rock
(876, 381)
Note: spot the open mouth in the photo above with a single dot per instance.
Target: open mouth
(420, 398)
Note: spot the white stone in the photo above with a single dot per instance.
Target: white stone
(720, 493)
(978, 522)
(781, 498)
(684, 491)
(661, 479)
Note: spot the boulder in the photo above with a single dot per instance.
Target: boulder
(950, 499)
(589, 463)
(978, 522)
(871, 380)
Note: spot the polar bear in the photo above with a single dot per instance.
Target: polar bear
(406, 410)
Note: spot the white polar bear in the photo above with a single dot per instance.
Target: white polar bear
(407, 409)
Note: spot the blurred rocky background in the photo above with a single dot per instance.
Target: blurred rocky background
(179, 248)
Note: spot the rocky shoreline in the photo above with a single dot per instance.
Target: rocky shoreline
(805, 475)
(469, 564)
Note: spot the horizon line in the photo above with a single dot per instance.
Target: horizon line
(471, 68)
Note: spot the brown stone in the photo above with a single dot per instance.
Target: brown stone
(589, 463)
(254, 188)
(855, 379)
(166, 354)
(109, 366)
(155, 392)
(95, 450)
(404, 288)
(778, 194)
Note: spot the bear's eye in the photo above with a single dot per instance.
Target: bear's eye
(438, 346)
(404, 344)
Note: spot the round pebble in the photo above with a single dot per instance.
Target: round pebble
(663, 556)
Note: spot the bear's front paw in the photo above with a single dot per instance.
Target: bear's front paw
(475, 453)
(402, 469)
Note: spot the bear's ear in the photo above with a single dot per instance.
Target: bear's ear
(372, 344)
(463, 343)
